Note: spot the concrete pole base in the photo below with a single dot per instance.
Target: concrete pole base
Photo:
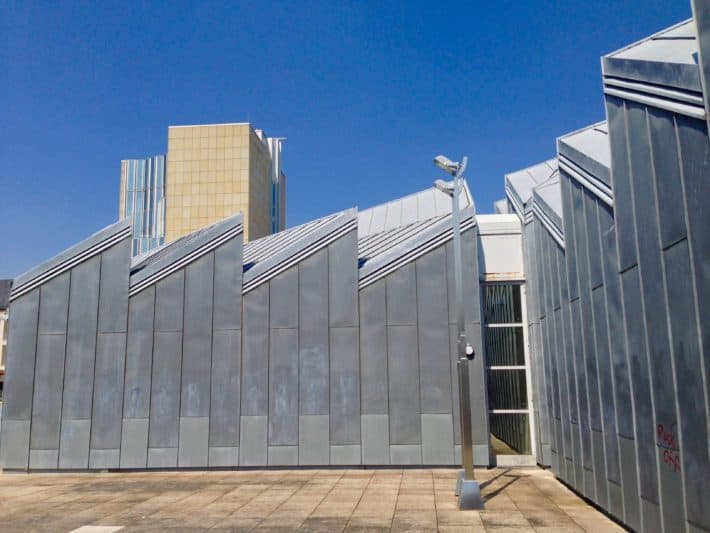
(459, 479)
(470, 495)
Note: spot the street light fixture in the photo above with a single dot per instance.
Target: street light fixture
(467, 488)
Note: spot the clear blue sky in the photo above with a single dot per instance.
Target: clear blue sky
(366, 93)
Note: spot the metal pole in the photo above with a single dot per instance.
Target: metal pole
(468, 490)
(462, 364)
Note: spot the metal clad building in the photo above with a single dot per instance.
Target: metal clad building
(618, 266)
(323, 344)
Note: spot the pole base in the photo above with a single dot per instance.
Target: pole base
(470, 495)
(459, 479)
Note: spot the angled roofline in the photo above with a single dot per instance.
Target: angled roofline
(72, 256)
(548, 217)
(298, 250)
(520, 205)
(672, 86)
(184, 251)
(585, 168)
(414, 247)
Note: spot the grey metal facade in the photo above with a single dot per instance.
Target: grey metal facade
(318, 345)
(618, 263)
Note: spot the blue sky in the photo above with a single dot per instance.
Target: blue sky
(366, 93)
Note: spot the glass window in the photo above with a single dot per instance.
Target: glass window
(505, 346)
(507, 389)
(501, 304)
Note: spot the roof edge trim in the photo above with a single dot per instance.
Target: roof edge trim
(72, 256)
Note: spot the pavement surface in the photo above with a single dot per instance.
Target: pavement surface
(516, 500)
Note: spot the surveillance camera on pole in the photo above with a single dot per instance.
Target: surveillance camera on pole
(467, 488)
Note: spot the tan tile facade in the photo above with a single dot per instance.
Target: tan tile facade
(215, 171)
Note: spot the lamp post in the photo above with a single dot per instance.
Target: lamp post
(467, 488)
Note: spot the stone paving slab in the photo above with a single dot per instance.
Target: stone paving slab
(516, 500)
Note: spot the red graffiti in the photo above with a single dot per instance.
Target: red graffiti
(667, 441)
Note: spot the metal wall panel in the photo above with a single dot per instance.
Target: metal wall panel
(197, 338)
(108, 391)
(283, 387)
(344, 386)
(74, 443)
(228, 285)
(373, 349)
(54, 302)
(225, 396)
(643, 412)
(165, 391)
(314, 375)
(621, 182)
(403, 364)
(169, 299)
(695, 160)
(401, 298)
(692, 458)
(283, 303)
(662, 131)
(193, 439)
(255, 366)
(433, 329)
(343, 281)
(113, 303)
(375, 439)
(313, 440)
(134, 443)
(654, 310)
(47, 401)
(620, 371)
(81, 341)
(20, 359)
(437, 439)
(139, 354)
(253, 440)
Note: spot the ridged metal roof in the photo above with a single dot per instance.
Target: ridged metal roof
(519, 185)
(417, 207)
(585, 155)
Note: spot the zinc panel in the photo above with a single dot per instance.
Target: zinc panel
(169, 299)
(20, 358)
(81, 340)
(344, 386)
(165, 391)
(401, 298)
(108, 391)
(47, 401)
(373, 349)
(226, 374)
(197, 338)
(313, 335)
(113, 299)
(284, 299)
(343, 281)
(403, 364)
(255, 359)
(283, 387)
(228, 285)
(139, 354)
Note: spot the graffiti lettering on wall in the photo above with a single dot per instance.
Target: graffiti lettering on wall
(666, 441)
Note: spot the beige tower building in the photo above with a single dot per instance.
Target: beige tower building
(214, 171)
(210, 172)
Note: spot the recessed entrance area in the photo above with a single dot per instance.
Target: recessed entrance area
(507, 372)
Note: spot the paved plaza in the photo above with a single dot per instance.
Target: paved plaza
(305, 500)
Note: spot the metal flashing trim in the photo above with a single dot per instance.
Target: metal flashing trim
(299, 256)
(548, 222)
(596, 186)
(514, 200)
(372, 245)
(406, 252)
(281, 254)
(182, 252)
(671, 93)
(674, 106)
(71, 257)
